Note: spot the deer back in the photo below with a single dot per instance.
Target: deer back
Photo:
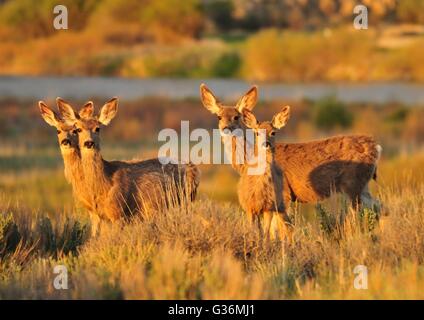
(315, 169)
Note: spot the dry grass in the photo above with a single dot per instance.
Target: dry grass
(209, 251)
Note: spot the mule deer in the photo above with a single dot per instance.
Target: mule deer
(261, 194)
(312, 170)
(120, 189)
(230, 122)
(68, 143)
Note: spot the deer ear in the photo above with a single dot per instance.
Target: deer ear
(108, 111)
(281, 118)
(87, 111)
(248, 101)
(48, 114)
(249, 119)
(208, 99)
(67, 112)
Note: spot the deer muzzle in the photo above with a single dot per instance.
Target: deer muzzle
(66, 142)
(89, 144)
(266, 145)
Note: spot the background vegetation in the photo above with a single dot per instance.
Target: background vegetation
(289, 41)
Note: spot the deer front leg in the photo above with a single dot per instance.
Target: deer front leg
(249, 215)
(284, 225)
(267, 225)
(95, 224)
(259, 225)
(253, 218)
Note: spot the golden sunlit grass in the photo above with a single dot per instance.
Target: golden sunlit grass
(209, 251)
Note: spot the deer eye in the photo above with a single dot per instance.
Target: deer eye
(236, 117)
(219, 118)
(58, 131)
(272, 133)
(97, 129)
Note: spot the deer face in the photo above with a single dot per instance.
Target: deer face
(269, 127)
(86, 126)
(229, 117)
(68, 142)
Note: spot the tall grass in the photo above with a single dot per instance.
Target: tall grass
(210, 252)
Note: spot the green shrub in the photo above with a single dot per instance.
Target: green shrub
(227, 65)
(74, 235)
(9, 234)
(327, 220)
(331, 113)
(220, 12)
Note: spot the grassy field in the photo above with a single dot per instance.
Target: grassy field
(208, 252)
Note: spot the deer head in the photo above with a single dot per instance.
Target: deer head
(229, 117)
(269, 127)
(87, 126)
(68, 142)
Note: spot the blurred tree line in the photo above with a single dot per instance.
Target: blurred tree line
(302, 40)
(168, 19)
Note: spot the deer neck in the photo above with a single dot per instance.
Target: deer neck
(72, 164)
(74, 173)
(235, 150)
(97, 181)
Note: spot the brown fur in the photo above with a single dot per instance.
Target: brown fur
(339, 164)
(119, 189)
(229, 120)
(261, 195)
(314, 169)
(70, 152)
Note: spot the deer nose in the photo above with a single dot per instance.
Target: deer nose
(226, 130)
(266, 145)
(66, 142)
(89, 144)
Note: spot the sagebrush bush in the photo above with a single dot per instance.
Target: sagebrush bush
(331, 113)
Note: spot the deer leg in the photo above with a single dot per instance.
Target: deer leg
(285, 228)
(95, 224)
(267, 225)
(259, 225)
(368, 201)
(250, 218)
